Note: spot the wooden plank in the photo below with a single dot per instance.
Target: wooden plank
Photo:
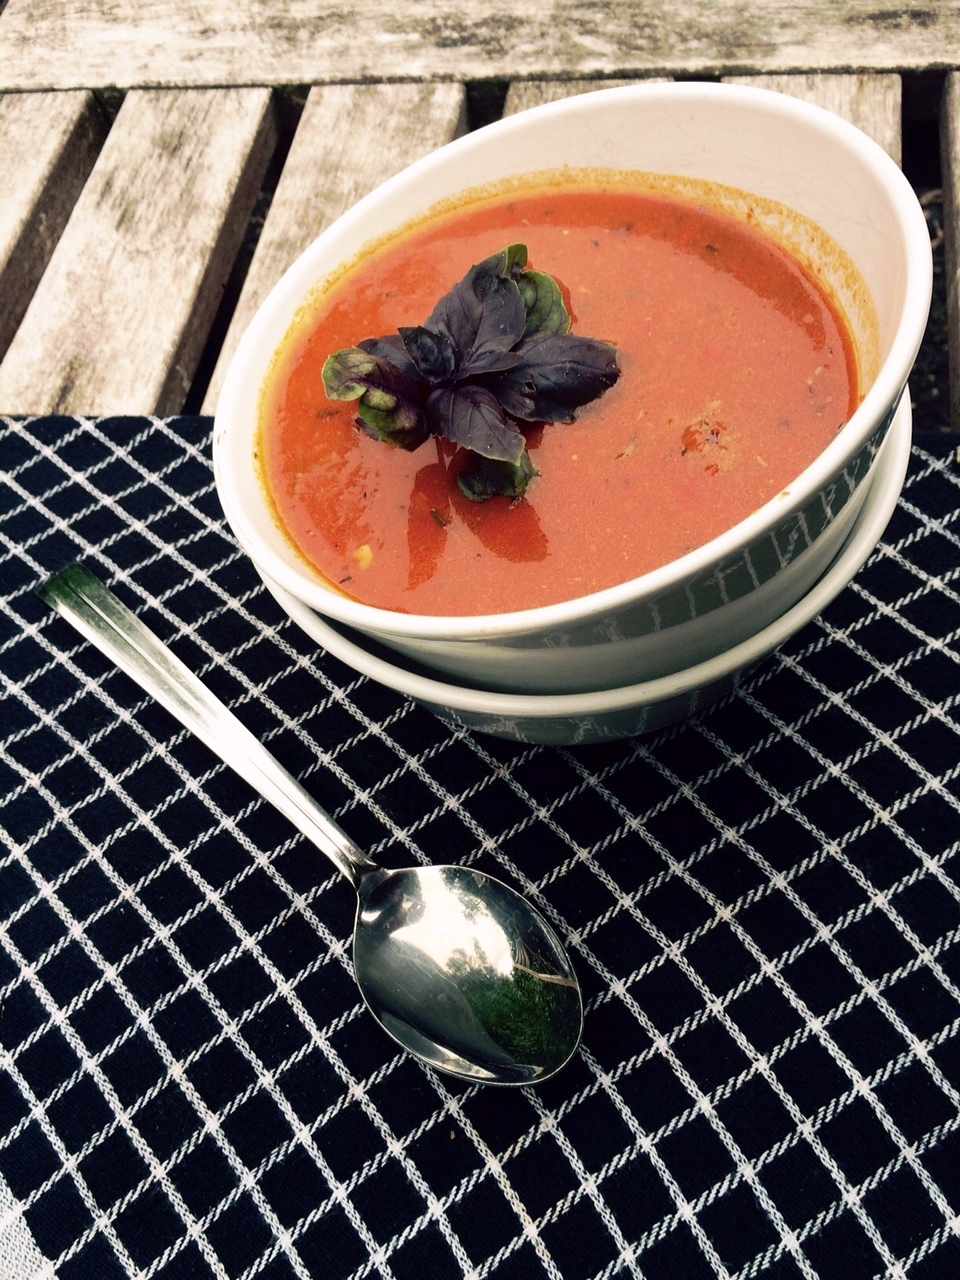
(121, 314)
(49, 141)
(349, 138)
(872, 102)
(950, 165)
(88, 43)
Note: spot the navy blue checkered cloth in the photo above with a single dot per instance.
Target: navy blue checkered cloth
(762, 903)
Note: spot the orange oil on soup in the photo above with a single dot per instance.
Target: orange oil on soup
(736, 372)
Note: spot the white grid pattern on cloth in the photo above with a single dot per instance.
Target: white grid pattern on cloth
(588, 812)
(714, 1007)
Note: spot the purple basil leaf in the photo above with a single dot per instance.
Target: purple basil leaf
(482, 317)
(472, 417)
(390, 348)
(433, 354)
(558, 373)
(490, 360)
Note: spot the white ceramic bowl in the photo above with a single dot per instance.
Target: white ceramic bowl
(767, 144)
(637, 708)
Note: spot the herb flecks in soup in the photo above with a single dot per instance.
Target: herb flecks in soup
(736, 372)
(495, 352)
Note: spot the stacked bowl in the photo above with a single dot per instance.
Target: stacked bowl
(645, 652)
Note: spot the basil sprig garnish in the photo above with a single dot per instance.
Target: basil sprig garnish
(496, 351)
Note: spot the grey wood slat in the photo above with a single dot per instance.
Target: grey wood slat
(48, 145)
(119, 320)
(874, 103)
(349, 139)
(950, 165)
(77, 43)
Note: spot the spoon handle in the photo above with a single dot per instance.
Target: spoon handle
(80, 597)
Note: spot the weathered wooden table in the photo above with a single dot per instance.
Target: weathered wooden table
(142, 142)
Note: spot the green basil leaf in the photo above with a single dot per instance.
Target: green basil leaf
(487, 478)
(389, 407)
(512, 260)
(546, 309)
(348, 373)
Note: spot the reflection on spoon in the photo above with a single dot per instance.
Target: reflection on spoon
(496, 981)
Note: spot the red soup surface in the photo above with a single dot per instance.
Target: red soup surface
(736, 372)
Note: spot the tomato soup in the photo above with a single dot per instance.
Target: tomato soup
(737, 370)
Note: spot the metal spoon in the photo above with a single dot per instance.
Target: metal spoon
(456, 966)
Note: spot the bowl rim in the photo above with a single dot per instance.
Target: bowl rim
(294, 286)
(886, 483)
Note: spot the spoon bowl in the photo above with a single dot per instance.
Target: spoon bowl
(506, 1011)
(455, 965)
